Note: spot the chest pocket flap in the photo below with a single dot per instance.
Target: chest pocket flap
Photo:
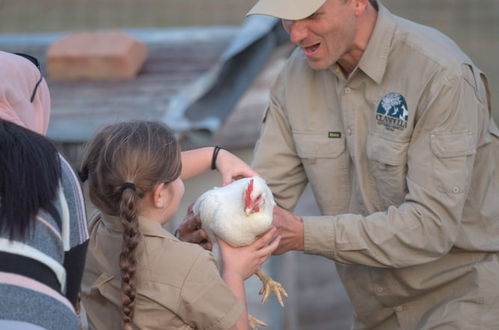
(386, 151)
(452, 144)
(318, 145)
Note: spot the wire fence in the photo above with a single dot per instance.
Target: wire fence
(31, 16)
(473, 24)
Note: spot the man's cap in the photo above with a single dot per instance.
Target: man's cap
(286, 9)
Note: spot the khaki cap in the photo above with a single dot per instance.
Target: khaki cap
(286, 9)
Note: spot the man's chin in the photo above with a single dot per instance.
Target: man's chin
(317, 65)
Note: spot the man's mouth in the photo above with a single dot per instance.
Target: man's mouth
(310, 50)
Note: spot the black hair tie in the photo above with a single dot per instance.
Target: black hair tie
(128, 185)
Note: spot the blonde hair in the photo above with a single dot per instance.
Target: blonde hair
(123, 162)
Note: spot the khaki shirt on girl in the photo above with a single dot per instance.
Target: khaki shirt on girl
(178, 284)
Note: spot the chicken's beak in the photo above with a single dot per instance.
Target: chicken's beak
(248, 211)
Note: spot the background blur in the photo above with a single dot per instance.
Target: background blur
(317, 299)
(473, 24)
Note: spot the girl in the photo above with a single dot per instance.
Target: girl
(138, 274)
(41, 251)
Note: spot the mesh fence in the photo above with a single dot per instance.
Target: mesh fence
(473, 24)
(30, 16)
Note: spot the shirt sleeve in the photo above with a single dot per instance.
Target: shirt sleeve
(440, 162)
(75, 253)
(206, 301)
(275, 157)
(78, 231)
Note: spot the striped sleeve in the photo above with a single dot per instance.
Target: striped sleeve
(73, 194)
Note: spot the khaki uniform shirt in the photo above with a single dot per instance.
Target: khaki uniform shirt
(401, 157)
(178, 284)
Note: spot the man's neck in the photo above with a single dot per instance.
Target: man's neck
(349, 61)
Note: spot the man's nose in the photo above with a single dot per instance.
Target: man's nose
(296, 29)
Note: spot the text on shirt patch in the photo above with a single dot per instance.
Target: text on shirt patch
(392, 112)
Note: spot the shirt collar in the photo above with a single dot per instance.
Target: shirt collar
(374, 60)
(147, 227)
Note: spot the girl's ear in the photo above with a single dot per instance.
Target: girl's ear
(161, 195)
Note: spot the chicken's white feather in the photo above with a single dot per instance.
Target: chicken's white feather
(222, 211)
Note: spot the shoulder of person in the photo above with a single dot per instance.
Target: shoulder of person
(439, 49)
(183, 256)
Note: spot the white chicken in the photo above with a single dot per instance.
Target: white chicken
(238, 213)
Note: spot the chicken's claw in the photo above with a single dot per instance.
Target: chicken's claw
(268, 286)
(253, 322)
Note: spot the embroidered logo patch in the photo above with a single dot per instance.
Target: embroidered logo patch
(392, 112)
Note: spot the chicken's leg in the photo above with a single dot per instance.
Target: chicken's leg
(253, 322)
(269, 285)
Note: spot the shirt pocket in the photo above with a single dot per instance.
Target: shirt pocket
(326, 165)
(451, 159)
(387, 164)
(105, 287)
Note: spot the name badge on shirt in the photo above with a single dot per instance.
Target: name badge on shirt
(334, 135)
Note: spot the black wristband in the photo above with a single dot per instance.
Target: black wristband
(214, 157)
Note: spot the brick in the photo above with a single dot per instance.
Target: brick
(107, 55)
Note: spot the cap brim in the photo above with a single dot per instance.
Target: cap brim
(286, 9)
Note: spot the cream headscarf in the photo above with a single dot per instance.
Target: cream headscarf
(18, 78)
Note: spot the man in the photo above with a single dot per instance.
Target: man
(390, 123)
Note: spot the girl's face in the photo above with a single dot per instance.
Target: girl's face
(176, 192)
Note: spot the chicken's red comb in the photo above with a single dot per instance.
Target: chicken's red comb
(247, 195)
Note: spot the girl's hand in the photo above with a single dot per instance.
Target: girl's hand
(232, 167)
(246, 260)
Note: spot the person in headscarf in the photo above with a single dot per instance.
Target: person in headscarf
(40, 274)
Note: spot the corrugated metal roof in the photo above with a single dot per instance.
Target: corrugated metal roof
(204, 70)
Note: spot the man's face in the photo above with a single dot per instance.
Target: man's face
(327, 35)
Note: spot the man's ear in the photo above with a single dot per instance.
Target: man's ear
(360, 6)
(161, 195)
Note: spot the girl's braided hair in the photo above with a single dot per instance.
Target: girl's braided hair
(123, 162)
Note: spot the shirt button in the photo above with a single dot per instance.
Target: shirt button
(455, 190)
(378, 289)
(349, 131)
(348, 90)
(399, 308)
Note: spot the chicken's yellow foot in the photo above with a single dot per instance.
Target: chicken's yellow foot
(253, 322)
(269, 285)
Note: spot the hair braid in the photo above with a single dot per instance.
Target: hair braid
(124, 161)
(131, 238)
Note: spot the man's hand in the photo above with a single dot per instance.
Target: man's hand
(290, 228)
(190, 231)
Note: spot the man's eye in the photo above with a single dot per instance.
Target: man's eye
(315, 15)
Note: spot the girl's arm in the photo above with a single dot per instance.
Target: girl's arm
(242, 262)
(197, 161)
